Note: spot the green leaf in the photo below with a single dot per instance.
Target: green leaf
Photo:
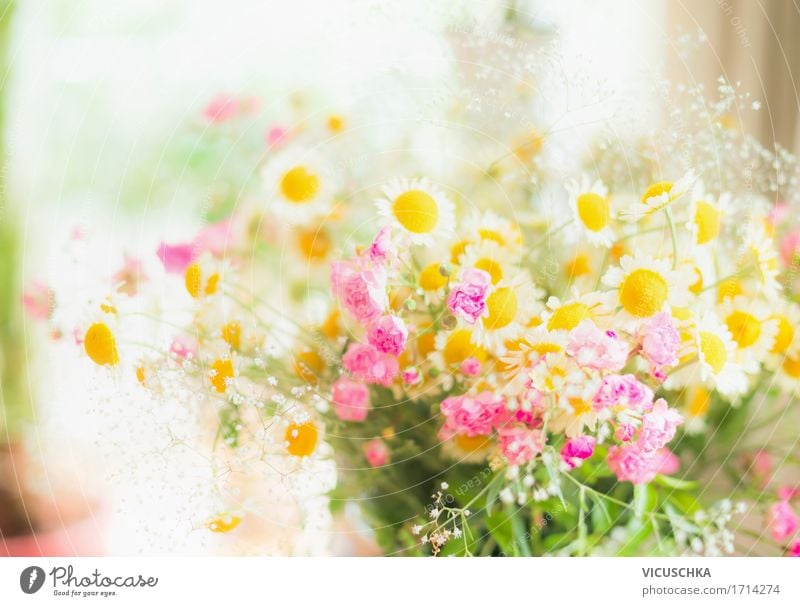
(675, 483)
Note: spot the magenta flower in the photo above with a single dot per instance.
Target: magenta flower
(577, 449)
(470, 415)
(467, 298)
(377, 452)
(471, 367)
(794, 549)
(350, 399)
(783, 521)
(388, 335)
(382, 250)
(630, 464)
(368, 364)
(597, 349)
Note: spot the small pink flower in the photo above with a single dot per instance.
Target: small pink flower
(471, 367)
(377, 452)
(388, 335)
(666, 462)
(276, 135)
(794, 549)
(350, 399)
(176, 257)
(658, 426)
(577, 449)
(787, 493)
(624, 432)
(411, 376)
(382, 250)
(368, 364)
(761, 466)
(470, 415)
(37, 300)
(520, 445)
(623, 390)
(467, 298)
(221, 108)
(184, 346)
(783, 521)
(597, 349)
(660, 340)
(509, 418)
(362, 291)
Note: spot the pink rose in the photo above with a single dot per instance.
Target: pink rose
(623, 390)
(411, 376)
(350, 399)
(624, 432)
(467, 298)
(176, 257)
(597, 349)
(520, 445)
(794, 550)
(362, 291)
(368, 364)
(184, 345)
(660, 341)
(630, 464)
(389, 335)
(658, 426)
(382, 250)
(377, 452)
(577, 449)
(470, 415)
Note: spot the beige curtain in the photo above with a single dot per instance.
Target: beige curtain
(756, 42)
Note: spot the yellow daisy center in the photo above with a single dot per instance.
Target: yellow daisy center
(302, 439)
(458, 249)
(331, 326)
(490, 234)
(232, 334)
(299, 185)
(430, 278)
(698, 405)
(656, 189)
(471, 443)
(100, 345)
(222, 370)
(568, 316)
(791, 367)
(714, 351)
(314, 243)
(502, 305)
(707, 219)
(594, 211)
(491, 267)
(459, 347)
(335, 123)
(580, 407)
(697, 287)
(417, 211)
(643, 293)
(785, 334)
(728, 289)
(545, 348)
(426, 343)
(578, 266)
(224, 523)
(193, 279)
(309, 366)
(744, 327)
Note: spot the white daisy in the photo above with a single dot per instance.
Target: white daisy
(752, 329)
(706, 215)
(644, 286)
(660, 195)
(524, 354)
(497, 261)
(591, 207)
(787, 339)
(761, 248)
(299, 186)
(418, 209)
(486, 225)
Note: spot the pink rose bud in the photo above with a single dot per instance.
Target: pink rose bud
(377, 452)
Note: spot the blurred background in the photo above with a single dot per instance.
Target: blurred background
(104, 134)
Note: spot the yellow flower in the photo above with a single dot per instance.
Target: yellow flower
(301, 439)
(100, 345)
(221, 373)
(224, 522)
(418, 209)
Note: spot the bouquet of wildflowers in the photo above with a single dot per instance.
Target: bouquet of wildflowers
(604, 366)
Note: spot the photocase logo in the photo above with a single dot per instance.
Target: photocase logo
(31, 579)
